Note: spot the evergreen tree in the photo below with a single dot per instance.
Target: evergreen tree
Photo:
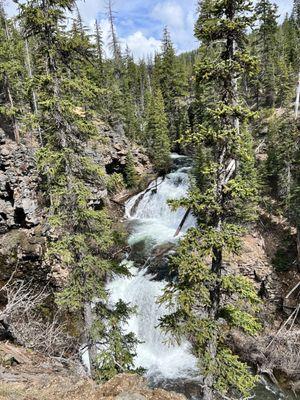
(156, 133)
(11, 73)
(267, 16)
(170, 79)
(296, 12)
(114, 41)
(99, 48)
(210, 299)
(282, 168)
(131, 178)
(84, 236)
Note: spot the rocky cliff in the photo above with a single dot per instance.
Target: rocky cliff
(23, 228)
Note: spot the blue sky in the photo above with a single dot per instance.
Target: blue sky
(140, 22)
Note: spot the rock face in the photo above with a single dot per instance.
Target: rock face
(21, 237)
(22, 217)
(18, 187)
(112, 148)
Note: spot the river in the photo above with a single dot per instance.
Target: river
(152, 226)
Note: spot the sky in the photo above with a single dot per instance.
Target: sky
(140, 22)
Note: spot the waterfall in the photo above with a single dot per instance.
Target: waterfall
(154, 220)
(153, 223)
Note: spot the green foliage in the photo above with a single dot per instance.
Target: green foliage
(58, 82)
(210, 300)
(156, 133)
(282, 166)
(266, 45)
(84, 238)
(118, 347)
(236, 375)
(169, 78)
(130, 174)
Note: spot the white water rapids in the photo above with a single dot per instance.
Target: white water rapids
(154, 224)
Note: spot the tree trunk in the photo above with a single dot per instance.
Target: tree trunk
(297, 99)
(11, 103)
(33, 94)
(92, 348)
(298, 247)
(187, 213)
(208, 392)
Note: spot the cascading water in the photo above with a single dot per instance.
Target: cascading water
(153, 225)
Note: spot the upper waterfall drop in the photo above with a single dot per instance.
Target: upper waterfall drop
(154, 220)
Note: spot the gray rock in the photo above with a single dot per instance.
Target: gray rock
(130, 396)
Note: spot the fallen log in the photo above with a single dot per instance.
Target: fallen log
(182, 222)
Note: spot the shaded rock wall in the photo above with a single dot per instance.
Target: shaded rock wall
(23, 229)
(18, 186)
(22, 241)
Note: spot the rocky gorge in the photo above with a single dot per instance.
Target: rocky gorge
(23, 238)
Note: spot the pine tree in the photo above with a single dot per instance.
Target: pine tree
(267, 16)
(296, 12)
(114, 41)
(84, 236)
(131, 178)
(211, 300)
(11, 71)
(99, 48)
(170, 79)
(156, 132)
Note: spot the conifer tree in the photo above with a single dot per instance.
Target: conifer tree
(84, 235)
(156, 132)
(211, 300)
(131, 178)
(296, 12)
(267, 16)
(11, 71)
(114, 41)
(291, 43)
(99, 47)
(169, 76)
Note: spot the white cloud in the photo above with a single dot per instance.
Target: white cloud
(140, 45)
(170, 13)
(90, 9)
(10, 8)
(179, 20)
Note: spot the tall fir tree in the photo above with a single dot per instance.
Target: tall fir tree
(99, 49)
(84, 236)
(114, 40)
(296, 11)
(211, 299)
(266, 34)
(11, 74)
(169, 76)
